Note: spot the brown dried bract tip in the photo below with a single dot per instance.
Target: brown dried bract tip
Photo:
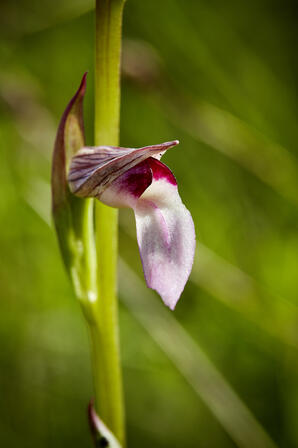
(70, 138)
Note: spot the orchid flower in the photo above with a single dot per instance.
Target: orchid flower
(135, 178)
(128, 177)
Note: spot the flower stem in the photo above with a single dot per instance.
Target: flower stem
(104, 327)
(107, 79)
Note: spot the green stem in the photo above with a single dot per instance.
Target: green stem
(104, 327)
(107, 79)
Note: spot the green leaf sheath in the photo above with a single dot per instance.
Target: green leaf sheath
(73, 217)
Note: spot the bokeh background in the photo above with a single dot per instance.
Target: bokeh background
(221, 371)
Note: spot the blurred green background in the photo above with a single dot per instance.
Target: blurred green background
(221, 371)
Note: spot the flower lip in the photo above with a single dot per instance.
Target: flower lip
(93, 169)
(165, 229)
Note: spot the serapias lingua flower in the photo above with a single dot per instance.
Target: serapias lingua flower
(135, 178)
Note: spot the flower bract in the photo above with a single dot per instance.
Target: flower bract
(102, 436)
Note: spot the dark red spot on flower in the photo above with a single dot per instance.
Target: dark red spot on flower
(137, 179)
(161, 171)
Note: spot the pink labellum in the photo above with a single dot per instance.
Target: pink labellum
(135, 178)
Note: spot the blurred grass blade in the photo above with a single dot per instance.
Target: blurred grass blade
(238, 290)
(38, 196)
(221, 130)
(192, 363)
(214, 126)
(21, 18)
(229, 284)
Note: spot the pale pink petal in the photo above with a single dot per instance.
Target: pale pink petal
(166, 235)
(165, 230)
